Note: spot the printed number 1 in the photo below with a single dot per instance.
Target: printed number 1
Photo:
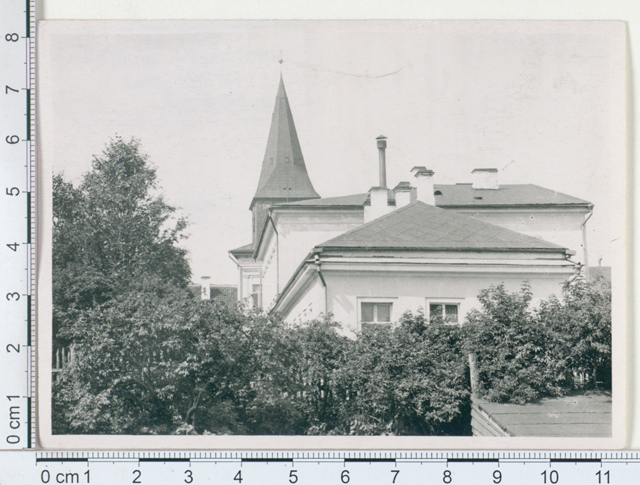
(600, 475)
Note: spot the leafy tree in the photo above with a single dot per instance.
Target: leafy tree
(580, 328)
(524, 353)
(408, 380)
(110, 231)
(155, 360)
(515, 361)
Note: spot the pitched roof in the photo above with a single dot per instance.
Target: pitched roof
(463, 196)
(246, 249)
(422, 226)
(284, 173)
(578, 415)
(460, 195)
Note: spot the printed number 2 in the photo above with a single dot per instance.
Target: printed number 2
(137, 474)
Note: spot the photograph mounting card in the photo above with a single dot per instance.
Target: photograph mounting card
(332, 234)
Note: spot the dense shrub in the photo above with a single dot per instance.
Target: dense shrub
(524, 353)
(408, 380)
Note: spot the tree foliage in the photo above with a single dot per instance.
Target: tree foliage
(410, 379)
(151, 358)
(110, 231)
(525, 353)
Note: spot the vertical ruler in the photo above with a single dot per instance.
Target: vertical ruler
(17, 224)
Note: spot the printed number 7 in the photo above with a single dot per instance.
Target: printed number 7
(395, 475)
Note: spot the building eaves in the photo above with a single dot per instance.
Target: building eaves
(347, 201)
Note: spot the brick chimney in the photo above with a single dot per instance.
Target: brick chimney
(424, 184)
(403, 194)
(485, 178)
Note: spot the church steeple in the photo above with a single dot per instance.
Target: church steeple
(284, 174)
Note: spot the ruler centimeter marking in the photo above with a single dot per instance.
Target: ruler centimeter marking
(323, 467)
(18, 223)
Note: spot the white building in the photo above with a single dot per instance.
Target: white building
(369, 257)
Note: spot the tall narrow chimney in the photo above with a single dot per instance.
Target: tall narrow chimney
(424, 184)
(382, 145)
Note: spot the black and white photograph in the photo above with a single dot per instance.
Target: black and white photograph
(332, 233)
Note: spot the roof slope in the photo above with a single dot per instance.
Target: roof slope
(464, 196)
(578, 415)
(284, 173)
(246, 249)
(507, 195)
(422, 226)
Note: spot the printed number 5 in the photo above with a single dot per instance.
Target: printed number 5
(293, 478)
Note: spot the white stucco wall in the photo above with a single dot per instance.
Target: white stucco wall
(409, 292)
(310, 305)
(299, 232)
(561, 227)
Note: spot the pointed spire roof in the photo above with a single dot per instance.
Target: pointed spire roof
(284, 173)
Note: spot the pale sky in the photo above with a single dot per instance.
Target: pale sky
(541, 101)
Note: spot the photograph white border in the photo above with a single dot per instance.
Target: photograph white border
(280, 442)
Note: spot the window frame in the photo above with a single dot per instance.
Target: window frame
(444, 302)
(375, 300)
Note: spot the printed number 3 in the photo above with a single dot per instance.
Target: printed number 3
(189, 475)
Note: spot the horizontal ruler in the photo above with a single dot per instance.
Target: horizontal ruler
(321, 467)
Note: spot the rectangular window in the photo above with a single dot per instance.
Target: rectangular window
(447, 311)
(255, 296)
(375, 313)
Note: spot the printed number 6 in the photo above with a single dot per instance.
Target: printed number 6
(345, 476)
